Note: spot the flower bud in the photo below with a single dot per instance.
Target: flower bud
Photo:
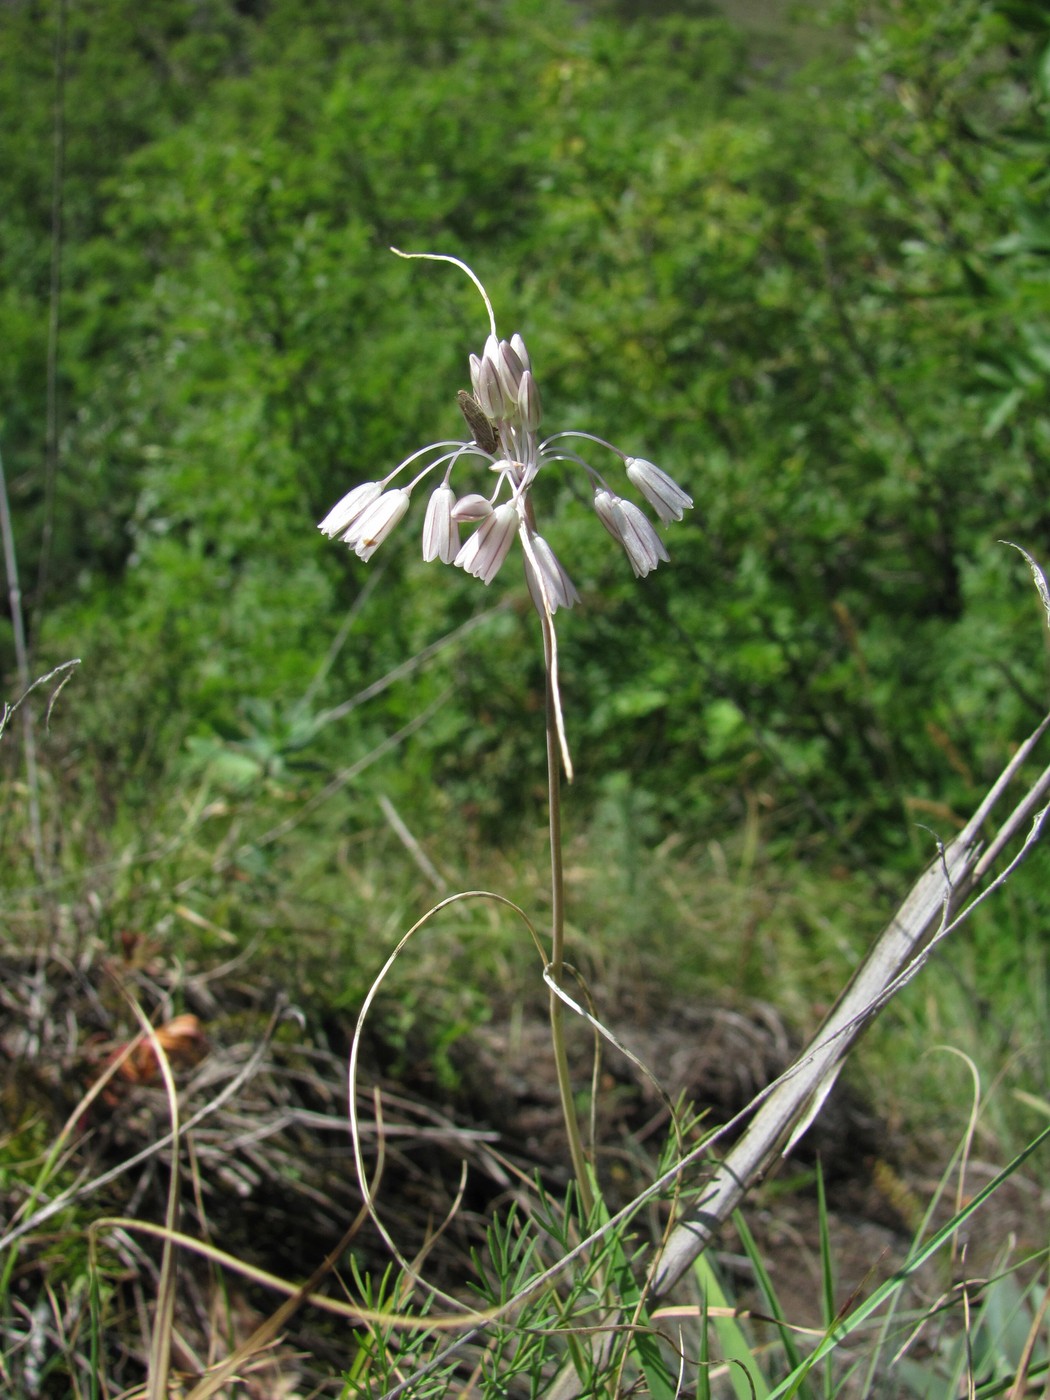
(472, 507)
(489, 391)
(518, 346)
(440, 530)
(475, 374)
(510, 371)
(529, 402)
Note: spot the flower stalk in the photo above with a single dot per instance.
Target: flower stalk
(580, 1165)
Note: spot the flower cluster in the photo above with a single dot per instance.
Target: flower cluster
(503, 414)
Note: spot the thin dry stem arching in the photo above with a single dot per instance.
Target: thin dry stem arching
(164, 1315)
(350, 1312)
(62, 674)
(456, 262)
(84, 1190)
(971, 1128)
(352, 1071)
(1038, 577)
(607, 1035)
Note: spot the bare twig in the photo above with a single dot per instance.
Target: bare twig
(54, 318)
(411, 845)
(14, 594)
(407, 668)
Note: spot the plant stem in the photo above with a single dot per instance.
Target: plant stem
(54, 315)
(557, 1008)
(14, 594)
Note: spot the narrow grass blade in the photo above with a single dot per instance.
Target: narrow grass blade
(644, 1344)
(769, 1294)
(703, 1379)
(827, 1273)
(790, 1385)
(748, 1381)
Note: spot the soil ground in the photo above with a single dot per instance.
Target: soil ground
(273, 1177)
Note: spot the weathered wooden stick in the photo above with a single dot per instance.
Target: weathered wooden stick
(926, 915)
(797, 1097)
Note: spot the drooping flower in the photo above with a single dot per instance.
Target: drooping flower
(471, 508)
(503, 412)
(633, 529)
(484, 553)
(664, 495)
(346, 511)
(371, 528)
(441, 528)
(643, 546)
(548, 580)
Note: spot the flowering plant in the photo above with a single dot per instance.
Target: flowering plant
(503, 414)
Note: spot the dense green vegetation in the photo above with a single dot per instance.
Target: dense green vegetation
(810, 279)
(817, 296)
(803, 267)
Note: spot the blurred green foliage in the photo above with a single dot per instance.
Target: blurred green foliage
(809, 278)
(804, 267)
